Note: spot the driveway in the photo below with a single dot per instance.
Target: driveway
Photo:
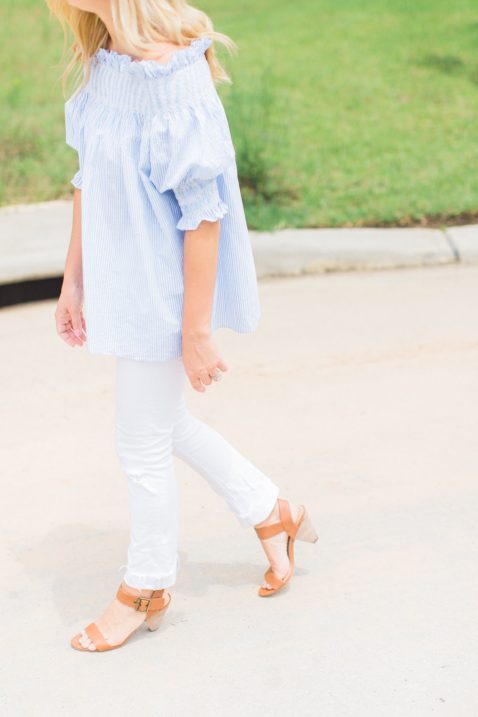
(358, 394)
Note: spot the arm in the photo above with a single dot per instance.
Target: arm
(200, 355)
(200, 266)
(70, 323)
(188, 157)
(73, 273)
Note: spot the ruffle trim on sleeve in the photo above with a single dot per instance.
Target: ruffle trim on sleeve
(198, 200)
(193, 218)
(153, 68)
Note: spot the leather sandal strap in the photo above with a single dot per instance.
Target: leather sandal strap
(273, 580)
(285, 523)
(141, 603)
(286, 518)
(267, 531)
(97, 637)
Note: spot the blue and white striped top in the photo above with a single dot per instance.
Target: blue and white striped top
(156, 158)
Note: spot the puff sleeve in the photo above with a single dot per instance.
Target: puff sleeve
(74, 133)
(190, 147)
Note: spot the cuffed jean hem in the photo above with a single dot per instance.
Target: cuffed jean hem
(147, 581)
(260, 511)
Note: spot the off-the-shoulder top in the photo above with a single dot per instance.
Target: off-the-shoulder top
(156, 158)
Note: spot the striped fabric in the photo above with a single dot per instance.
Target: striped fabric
(155, 159)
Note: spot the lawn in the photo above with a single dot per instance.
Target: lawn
(358, 112)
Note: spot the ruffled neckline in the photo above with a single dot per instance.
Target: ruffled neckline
(153, 68)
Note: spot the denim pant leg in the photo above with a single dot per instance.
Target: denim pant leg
(153, 423)
(146, 399)
(249, 493)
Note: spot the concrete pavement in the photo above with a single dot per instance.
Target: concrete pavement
(358, 394)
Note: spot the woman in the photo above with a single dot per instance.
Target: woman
(159, 258)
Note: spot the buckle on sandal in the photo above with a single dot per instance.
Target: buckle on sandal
(138, 602)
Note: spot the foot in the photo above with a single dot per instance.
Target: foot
(275, 547)
(118, 620)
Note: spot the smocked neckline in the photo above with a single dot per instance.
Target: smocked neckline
(153, 68)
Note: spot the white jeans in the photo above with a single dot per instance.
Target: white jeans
(153, 423)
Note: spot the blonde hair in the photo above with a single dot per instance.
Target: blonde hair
(140, 26)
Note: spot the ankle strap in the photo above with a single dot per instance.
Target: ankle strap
(143, 604)
(267, 531)
(285, 523)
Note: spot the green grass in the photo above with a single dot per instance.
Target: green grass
(358, 112)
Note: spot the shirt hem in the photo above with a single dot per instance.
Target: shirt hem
(112, 351)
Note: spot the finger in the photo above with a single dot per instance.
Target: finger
(77, 335)
(77, 340)
(76, 323)
(197, 385)
(64, 328)
(68, 336)
(63, 324)
(205, 377)
(194, 380)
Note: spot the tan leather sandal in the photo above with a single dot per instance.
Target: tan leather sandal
(302, 530)
(154, 608)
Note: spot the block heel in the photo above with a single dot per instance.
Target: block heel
(155, 619)
(306, 530)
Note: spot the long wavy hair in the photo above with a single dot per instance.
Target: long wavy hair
(140, 25)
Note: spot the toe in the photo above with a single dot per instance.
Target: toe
(84, 639)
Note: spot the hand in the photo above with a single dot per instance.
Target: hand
(70, 323)
(201, 360)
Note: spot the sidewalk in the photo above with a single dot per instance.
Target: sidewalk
(34, 240)
(358, 394)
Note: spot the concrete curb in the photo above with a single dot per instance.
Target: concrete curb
(312, 251)
(34, 240)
